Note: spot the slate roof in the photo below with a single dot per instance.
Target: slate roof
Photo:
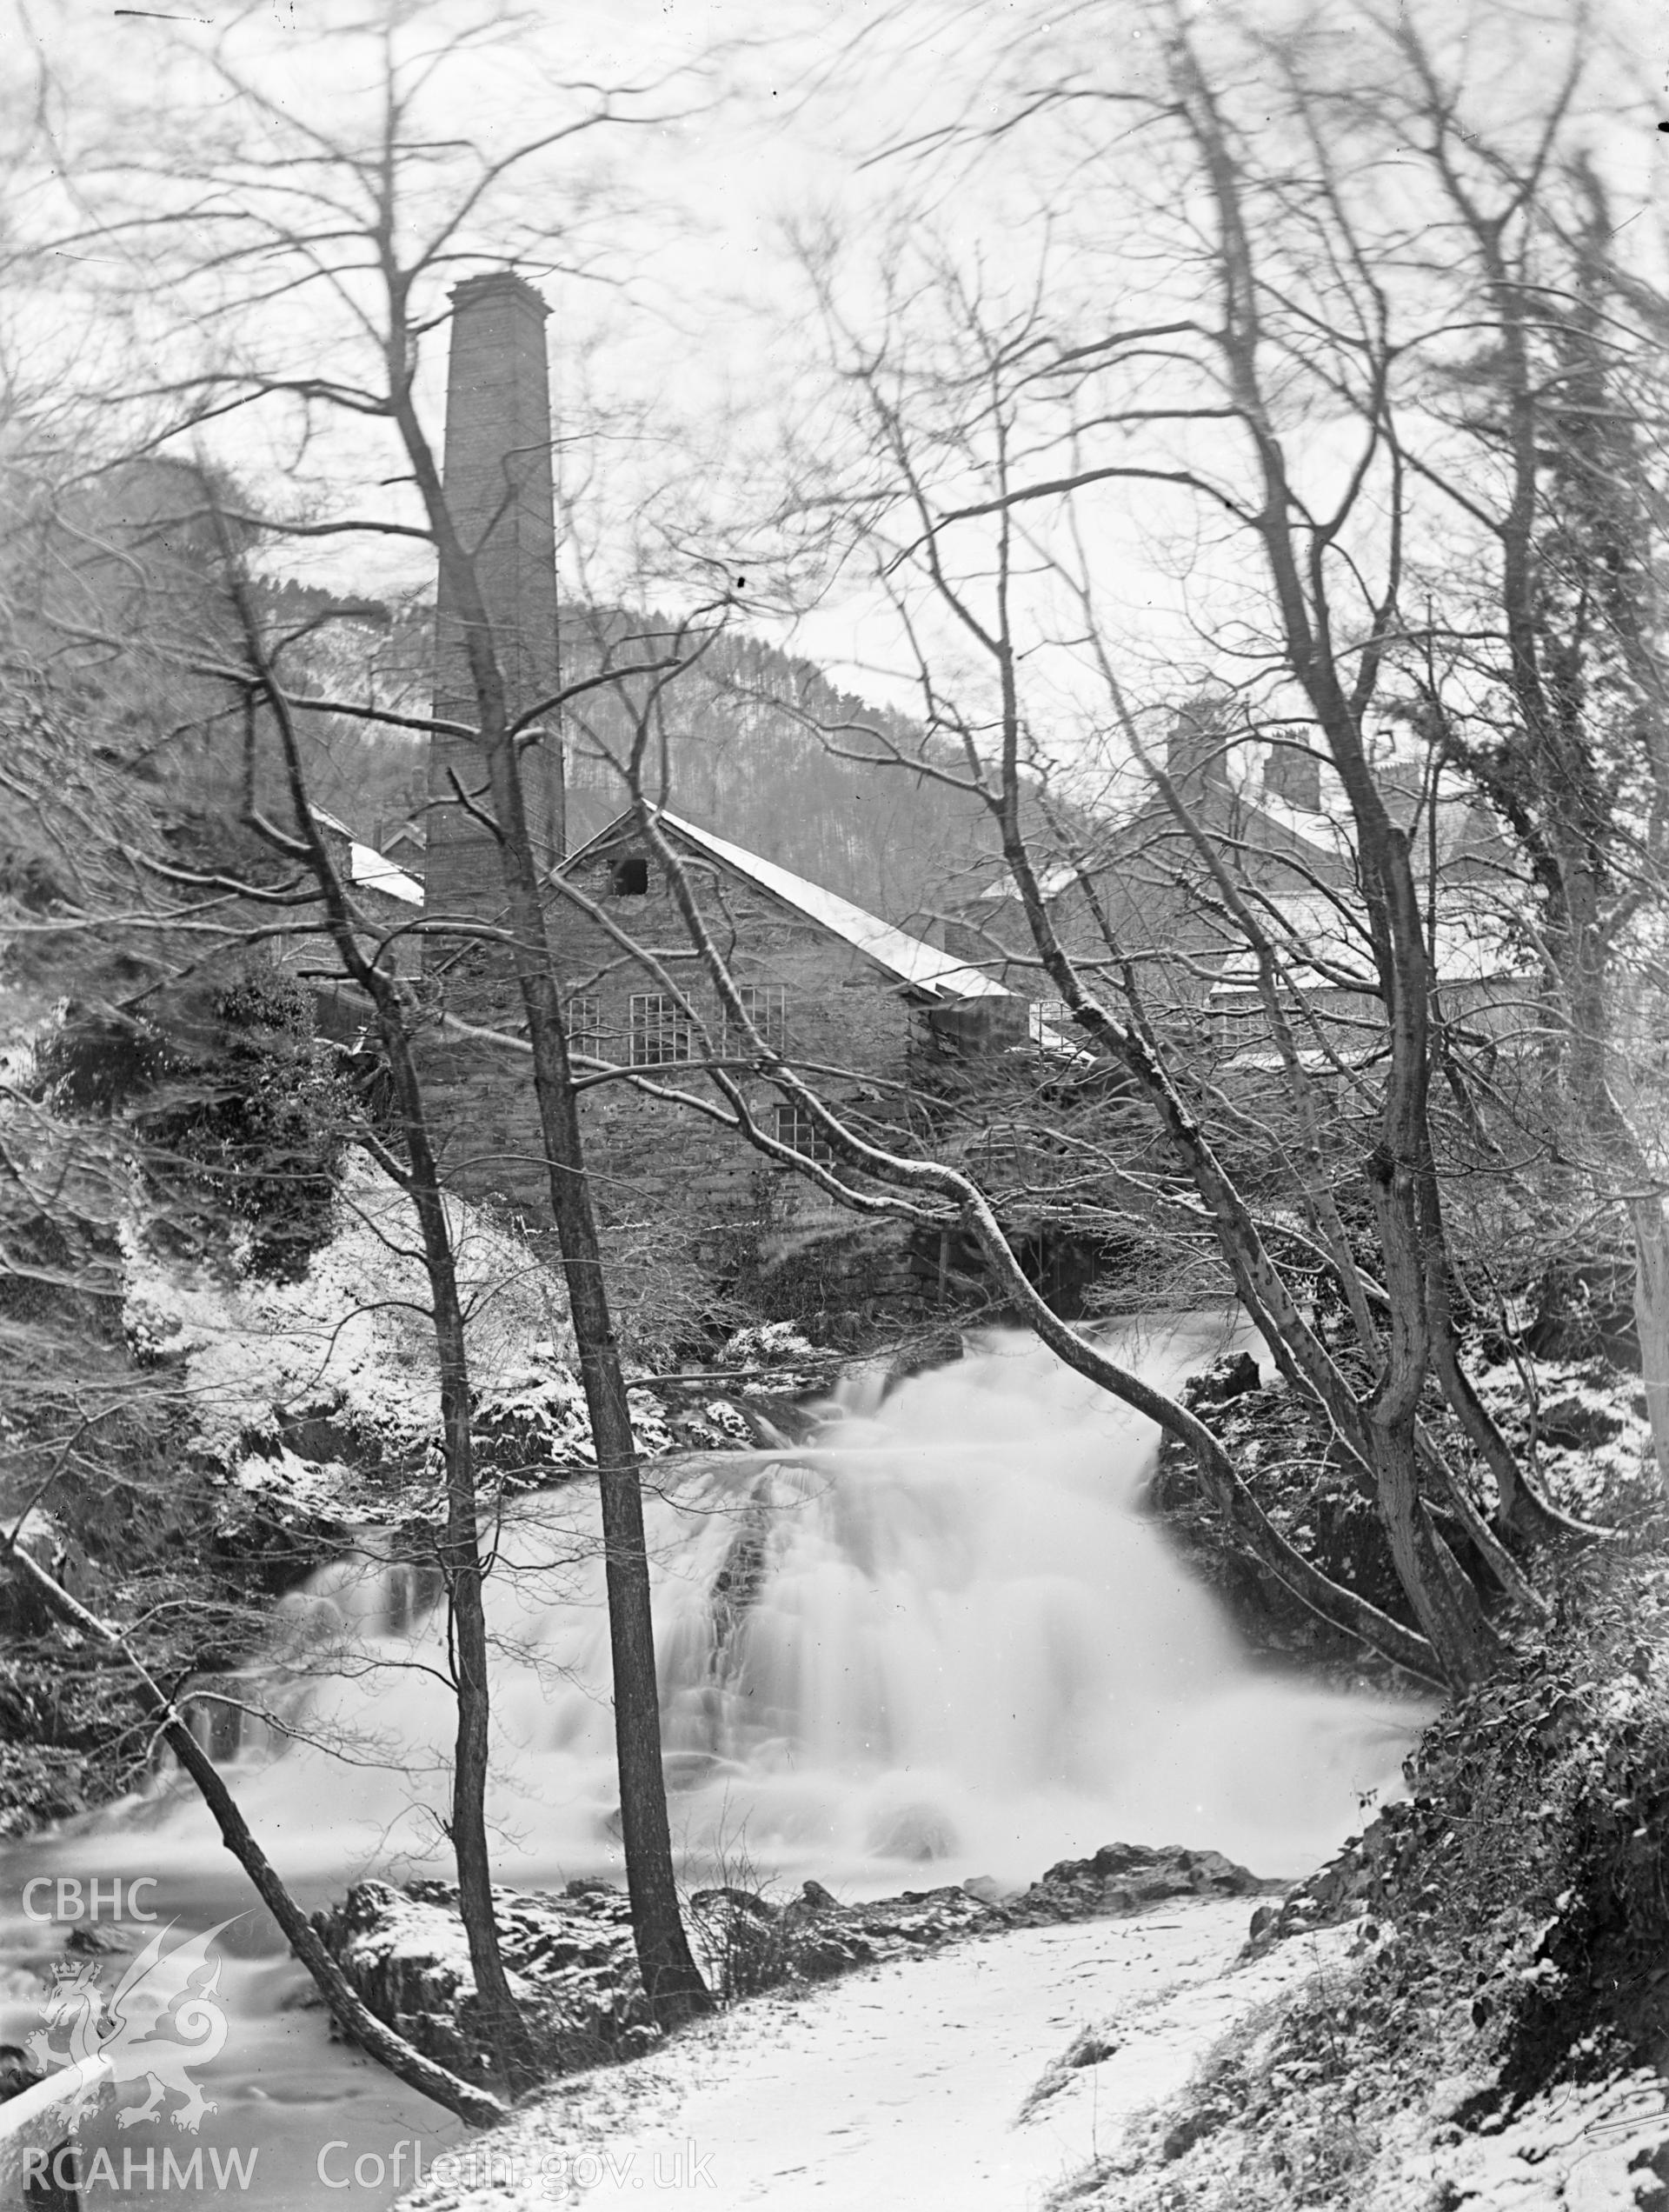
(910, 960)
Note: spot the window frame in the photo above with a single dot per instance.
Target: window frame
(583, 1018)
(668, 1024)
(771, 1020)
(789, 1120)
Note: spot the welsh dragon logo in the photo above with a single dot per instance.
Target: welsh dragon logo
(155, 2028)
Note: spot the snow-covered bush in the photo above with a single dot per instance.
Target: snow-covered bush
(351, 1339)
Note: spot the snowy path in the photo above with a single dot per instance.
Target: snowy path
(901, 2086)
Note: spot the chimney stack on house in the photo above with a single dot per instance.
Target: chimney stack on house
(1293, 773)
(497, 473)
(1195, 759)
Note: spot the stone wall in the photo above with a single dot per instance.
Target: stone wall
(675, 1192)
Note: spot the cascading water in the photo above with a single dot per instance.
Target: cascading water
(940, 1641)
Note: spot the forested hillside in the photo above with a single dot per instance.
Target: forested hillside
(758, 745)
(765, 750)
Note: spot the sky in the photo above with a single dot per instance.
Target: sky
(679, 320)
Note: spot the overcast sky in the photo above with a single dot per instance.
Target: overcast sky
(681, 303)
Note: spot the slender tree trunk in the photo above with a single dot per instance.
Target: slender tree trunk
(671, 1979)
(346, 2008)
(506, 2031)
(1651, 1226)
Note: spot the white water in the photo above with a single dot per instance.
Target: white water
(963, 1651)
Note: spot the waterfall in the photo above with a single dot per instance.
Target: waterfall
(940, 1640)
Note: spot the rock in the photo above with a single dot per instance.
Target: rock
(86, 1941)
(1127, 1878)
(987, 1888)
(820, 1936)
(569, 1959)
(573, 1969)
(1571, 1425)
(1232, 1377)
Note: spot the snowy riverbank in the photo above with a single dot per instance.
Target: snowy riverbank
(934, 2084)
(1039, 2066)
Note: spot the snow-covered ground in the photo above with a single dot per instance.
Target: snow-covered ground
(931, 2084)
(987, 2077)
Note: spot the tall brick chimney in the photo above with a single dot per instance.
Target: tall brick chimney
(1291, 772)
(1195, 746)
(497, 477)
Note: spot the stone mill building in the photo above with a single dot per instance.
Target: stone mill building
(873, 1008)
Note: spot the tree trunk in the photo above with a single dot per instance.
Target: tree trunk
(506, 2031)
(671, 1979)
(1651, 1226)
(461, 1549)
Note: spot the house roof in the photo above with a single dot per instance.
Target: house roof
(910, 960)
(1469, 944)
(374, 869)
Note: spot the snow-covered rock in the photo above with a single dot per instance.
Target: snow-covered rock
(352, 1343)
(569, 1961)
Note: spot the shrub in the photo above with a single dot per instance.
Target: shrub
(266, 1136)
(238, 1104)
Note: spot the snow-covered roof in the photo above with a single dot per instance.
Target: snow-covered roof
(1469, 943)
(378, 873)
(1050, 883)
(911, 960)
(1327, 833)
(368, 866)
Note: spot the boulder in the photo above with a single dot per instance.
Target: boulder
(1129, 1878)
(569, 1959)
(1232, 1376)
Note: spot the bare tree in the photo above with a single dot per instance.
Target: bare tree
(1276, 397)
(1547, 682)
(354, 227)
(95, 893)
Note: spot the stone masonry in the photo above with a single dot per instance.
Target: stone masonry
(498, 476)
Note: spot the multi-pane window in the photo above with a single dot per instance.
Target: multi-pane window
(1237, 1019)
(799, 1129)
(585, 1025)
(660, 1031)
(767, 1007)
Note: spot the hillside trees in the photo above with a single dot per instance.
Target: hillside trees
(312, 299)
